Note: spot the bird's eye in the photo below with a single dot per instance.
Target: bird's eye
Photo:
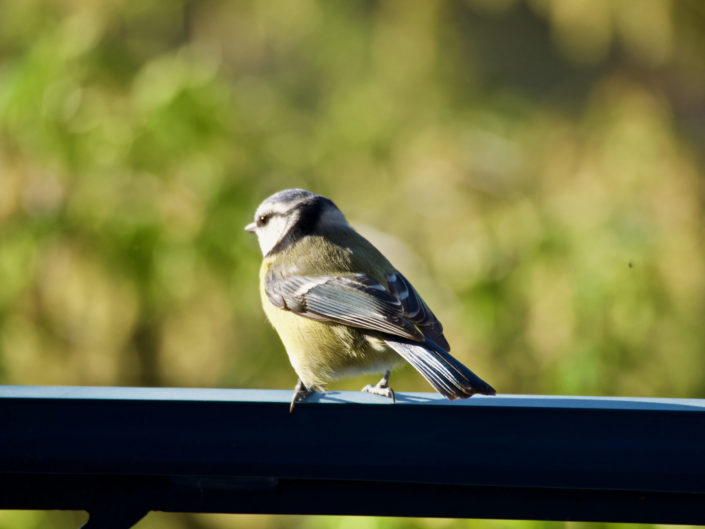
(262, 220)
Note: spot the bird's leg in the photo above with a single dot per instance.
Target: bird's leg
(300, 393)
(382, 388)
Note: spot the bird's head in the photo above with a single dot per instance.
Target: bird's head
(288, 215)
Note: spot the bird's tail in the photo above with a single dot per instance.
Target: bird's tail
(448, 376)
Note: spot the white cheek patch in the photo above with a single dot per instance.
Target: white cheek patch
(268, 236)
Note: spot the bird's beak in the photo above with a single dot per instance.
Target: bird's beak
(251, 227)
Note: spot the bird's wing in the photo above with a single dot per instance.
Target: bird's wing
(415, 309)
(360, 301)
(355, 299)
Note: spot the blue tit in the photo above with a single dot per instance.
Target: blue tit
(340, 307)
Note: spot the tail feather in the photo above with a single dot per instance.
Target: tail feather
(446, 374)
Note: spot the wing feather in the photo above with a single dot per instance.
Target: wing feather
(356, 299)
(416, 310)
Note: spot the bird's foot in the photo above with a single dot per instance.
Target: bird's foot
(381, 388)
(300, 393)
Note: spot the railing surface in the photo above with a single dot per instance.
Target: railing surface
(119, 453)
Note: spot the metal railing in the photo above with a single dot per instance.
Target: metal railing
(119, 453)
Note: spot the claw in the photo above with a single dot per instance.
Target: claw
(381, 388)
(300, 393)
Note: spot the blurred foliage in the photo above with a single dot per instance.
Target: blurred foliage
(535, 167)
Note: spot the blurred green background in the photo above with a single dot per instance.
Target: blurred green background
(534, 167)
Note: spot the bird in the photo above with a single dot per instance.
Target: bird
(340, 307)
